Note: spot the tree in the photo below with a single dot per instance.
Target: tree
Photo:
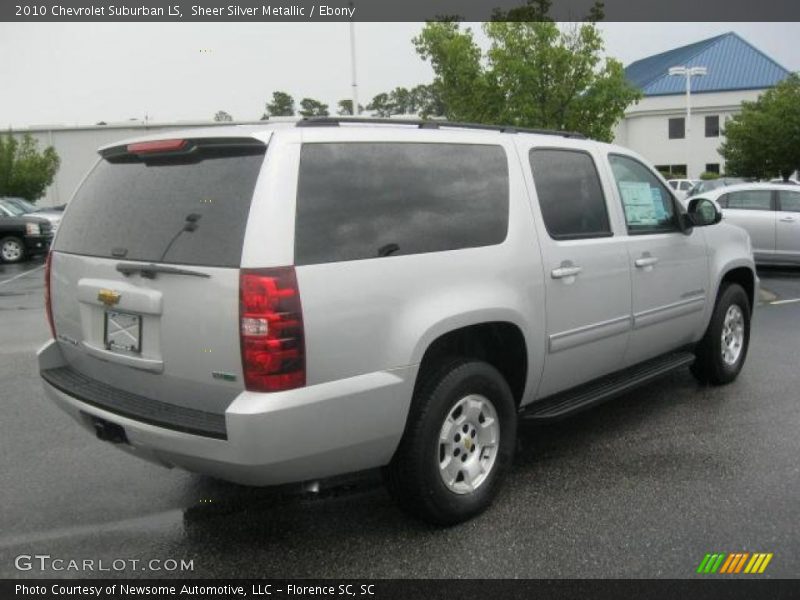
(422, 100)
(346, 107)
(533, 75)
(764, 139)
(222, 116)
(381, 105)
(313, 108)
(24, 171)
(282, 105)
(427, 101)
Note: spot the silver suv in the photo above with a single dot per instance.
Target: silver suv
(291, 302)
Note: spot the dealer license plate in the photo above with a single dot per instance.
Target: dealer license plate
(123, 332)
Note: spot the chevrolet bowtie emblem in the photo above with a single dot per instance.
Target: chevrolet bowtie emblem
(108, 297)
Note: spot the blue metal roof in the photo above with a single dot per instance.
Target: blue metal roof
(732, 63)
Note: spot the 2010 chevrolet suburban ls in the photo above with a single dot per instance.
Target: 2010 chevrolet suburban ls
(291, 302)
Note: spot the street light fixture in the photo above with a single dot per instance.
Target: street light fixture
(688, 73)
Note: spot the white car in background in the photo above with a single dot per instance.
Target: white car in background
(770, 212)
(681, 187)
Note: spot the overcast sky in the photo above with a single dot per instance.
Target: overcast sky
(82, 73)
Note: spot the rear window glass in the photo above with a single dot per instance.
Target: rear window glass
(367, 200)
(169, 211)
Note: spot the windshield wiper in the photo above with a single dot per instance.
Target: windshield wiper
(149, 271)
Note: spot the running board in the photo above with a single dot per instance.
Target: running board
(586, 395)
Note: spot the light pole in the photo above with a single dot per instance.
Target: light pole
(688, 73)
(353, 63)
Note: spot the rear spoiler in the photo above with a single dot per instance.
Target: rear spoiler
(183, 150)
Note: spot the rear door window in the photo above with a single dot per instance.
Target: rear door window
(183, 209)
(360, 200)
(570, 194)
(790, 201)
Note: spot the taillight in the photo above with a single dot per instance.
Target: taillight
(48, 302)
(271, 330)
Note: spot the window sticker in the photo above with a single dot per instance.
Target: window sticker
(658, 205)
(638, 199)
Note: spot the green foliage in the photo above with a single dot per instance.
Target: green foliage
(313, 108)
(222, 116)
(428, 101)
(346, 107)
(381, 105)
(24, 171)
(708, 175)
(763, 140)
(422, 100)
(282, 105)
(533, 75)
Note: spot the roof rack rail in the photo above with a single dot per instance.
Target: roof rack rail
(431, 124)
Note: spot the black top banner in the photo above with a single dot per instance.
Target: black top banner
(390, 10)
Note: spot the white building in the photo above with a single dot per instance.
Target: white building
(656, 126)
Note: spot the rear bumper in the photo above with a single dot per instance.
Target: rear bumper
(304, 434)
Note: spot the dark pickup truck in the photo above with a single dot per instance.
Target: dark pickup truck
(22, 236)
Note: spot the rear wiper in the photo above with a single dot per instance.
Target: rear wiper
(149, 271)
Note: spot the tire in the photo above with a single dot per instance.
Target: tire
(719, 362)
(12, 250)
(460, 395)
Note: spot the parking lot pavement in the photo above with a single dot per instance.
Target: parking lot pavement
(642, 486)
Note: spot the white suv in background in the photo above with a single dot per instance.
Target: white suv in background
(285, 303)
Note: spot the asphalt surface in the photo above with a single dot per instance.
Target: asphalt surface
(643, 486)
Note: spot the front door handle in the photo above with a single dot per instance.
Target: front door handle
(564, 272)
(787, 220)
(646, 261)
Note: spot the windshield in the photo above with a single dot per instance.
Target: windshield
(21, 203)
(12, 208)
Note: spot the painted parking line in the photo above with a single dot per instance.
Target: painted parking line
(10, 279)
(789, 301)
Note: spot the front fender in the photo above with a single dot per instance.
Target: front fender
(729, 248)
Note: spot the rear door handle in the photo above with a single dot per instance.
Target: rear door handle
(646, 261)
(563, 272)
(787, 220)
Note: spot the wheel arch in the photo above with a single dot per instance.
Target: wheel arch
(501, 343)
(745, 276)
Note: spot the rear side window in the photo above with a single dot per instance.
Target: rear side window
(366, 200)
(570, 194)
(790, 201)
(185, 210)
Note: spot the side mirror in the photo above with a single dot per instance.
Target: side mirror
(703, 211)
